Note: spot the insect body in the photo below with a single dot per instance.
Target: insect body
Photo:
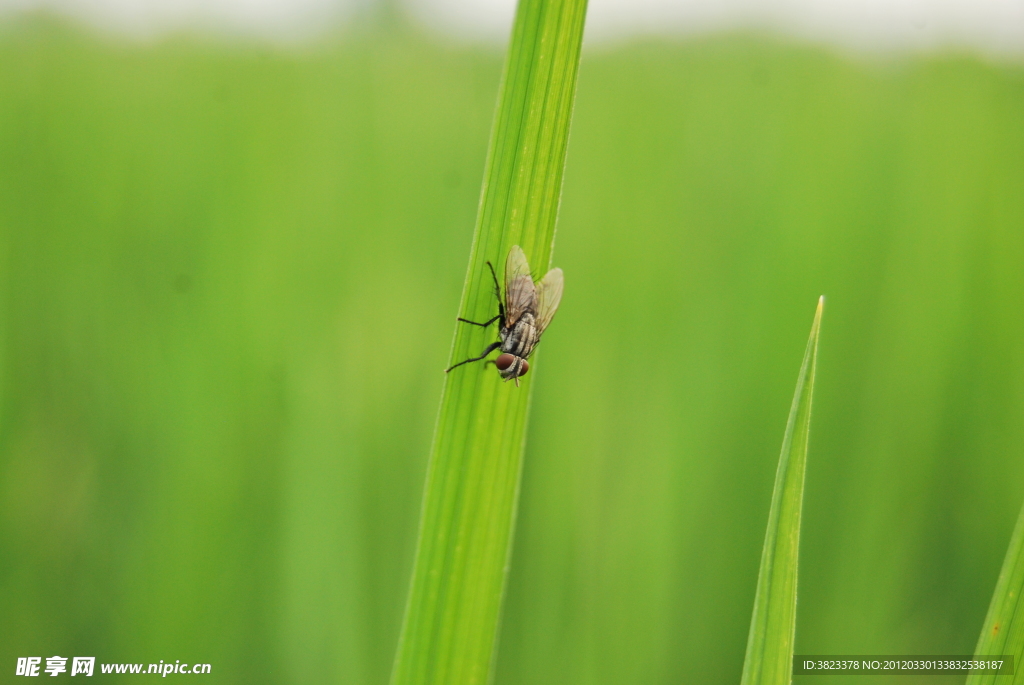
(527, 310)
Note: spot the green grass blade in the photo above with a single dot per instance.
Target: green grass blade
(769, 659)
(1003, 630)
(450, 627)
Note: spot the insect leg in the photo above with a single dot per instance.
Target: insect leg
(485, 324)
(497, 294)
(490, 348)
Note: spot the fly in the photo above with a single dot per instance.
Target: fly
(526, 312)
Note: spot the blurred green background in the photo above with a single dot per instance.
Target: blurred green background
(230, 274)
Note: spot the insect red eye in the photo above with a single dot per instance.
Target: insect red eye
(525, 368)
(504, 361)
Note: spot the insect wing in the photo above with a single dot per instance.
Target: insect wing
(549, 295)
(520, 293)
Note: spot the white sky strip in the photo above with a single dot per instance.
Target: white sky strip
(989, 26)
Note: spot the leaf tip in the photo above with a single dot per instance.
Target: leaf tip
(816, 324)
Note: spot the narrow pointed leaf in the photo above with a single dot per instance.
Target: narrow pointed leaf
(1002, 633)
(769, 656)
(449, 632)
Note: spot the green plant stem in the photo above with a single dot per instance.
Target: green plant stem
(449, 633)
(769, 659)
